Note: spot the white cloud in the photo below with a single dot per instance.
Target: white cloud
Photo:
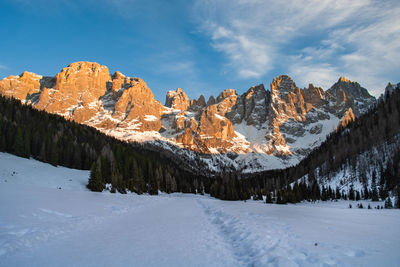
(321, 75)
(313, 40)
(252, 56)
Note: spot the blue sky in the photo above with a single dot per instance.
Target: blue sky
(206, 46)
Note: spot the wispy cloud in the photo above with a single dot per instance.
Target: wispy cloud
(184, 67)
(315, 41)
(3, 68)
(249, 57)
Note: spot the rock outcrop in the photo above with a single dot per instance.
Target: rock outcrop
(251, 107)
(26, 86)
(348, 94)
(137, 104)
(347, 118)
(177, 100)
(76, 88)
(199, 103)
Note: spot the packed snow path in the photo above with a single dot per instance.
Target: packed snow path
(42, 225)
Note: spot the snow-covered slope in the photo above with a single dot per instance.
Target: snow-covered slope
(42, 225)
(366, 171)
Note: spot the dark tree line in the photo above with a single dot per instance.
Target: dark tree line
(28, 132)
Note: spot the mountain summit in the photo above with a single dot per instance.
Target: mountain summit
(260, 129)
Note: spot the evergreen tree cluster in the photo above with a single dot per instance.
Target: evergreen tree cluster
(28, 132)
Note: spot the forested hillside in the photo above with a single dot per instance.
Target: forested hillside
(27, 132)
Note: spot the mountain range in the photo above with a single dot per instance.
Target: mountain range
(258, 130)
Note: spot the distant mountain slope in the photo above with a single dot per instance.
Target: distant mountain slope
(258, 130)
(364, 156)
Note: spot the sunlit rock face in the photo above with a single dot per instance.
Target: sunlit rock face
(86, 93)
(26, 86)
(177, 100)
(264, 128)
(347, 118)
(348, 94)
(251, 107)
(199, 103)
(76, 88)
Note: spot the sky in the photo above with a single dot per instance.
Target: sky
(206, 46)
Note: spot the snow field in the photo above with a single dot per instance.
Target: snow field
(41, 225)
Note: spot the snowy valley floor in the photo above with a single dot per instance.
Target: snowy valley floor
(41, 225)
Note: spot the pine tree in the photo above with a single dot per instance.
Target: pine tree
(95, 181)
(337, 193)
(388, 203)
(351, 193)
(278, 197)
(358, 197)
(268, 198)
(366, 192)
(374, 195)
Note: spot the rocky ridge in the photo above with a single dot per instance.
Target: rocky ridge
(260, 129)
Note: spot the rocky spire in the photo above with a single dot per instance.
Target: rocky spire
(200, 102)
(211, 101)
(177, 100)
(344, 79)
(282, 84)
(348, 94)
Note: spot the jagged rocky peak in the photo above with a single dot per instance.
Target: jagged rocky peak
(77, 85)
(390, 88)
(256, 94)
(120, 82)
(346, 87)
(83, 77)
(21, 86)
(225, 94)
(349, 94)
(200, 102)
(211, 101)
(282, 84)
(314, 95)
(177, 99)
(118, 75)
(215, 130)
(252, 107)
(344, 79)
(137, 104)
